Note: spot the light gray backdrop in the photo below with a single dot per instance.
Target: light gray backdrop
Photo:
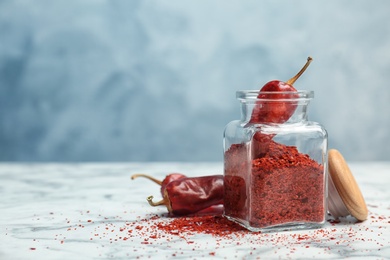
(156, 80)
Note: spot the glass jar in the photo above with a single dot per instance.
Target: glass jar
(275, 170)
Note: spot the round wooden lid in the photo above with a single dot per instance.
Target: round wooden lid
(346, 185)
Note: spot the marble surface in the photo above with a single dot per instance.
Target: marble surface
(94, 211)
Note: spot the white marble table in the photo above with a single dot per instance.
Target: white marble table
(94, 211)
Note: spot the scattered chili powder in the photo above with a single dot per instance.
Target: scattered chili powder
(214, 225)
(282, 186)
(143, 233)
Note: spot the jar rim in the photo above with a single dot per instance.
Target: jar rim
(275, 95)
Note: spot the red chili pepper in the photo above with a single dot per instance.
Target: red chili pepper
(272, 106)
(170, 177)
(190, 195)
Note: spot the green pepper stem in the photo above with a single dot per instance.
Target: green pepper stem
(147, 177)
(158, 203)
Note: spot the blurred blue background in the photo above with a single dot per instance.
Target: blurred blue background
(156, 80)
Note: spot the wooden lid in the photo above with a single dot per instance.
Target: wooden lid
(346, 185)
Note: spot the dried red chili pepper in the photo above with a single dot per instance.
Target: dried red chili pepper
(170, 177)
(278, 104)
(190, 195)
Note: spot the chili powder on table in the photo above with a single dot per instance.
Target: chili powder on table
(282, 186)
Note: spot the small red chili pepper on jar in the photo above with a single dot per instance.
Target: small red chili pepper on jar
(184, 196)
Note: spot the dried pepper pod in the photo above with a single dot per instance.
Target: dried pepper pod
(170, 177)
(190, 195)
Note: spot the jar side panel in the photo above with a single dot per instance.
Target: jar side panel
(236, 172)
(288, 183)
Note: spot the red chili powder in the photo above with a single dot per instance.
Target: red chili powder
(214, 225)
(145, 232)
(281, 186)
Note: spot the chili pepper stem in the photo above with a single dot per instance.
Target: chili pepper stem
(158, 203)
(134, 176)
(293, 79)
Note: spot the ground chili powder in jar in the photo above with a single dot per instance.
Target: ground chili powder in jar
(275, 174)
